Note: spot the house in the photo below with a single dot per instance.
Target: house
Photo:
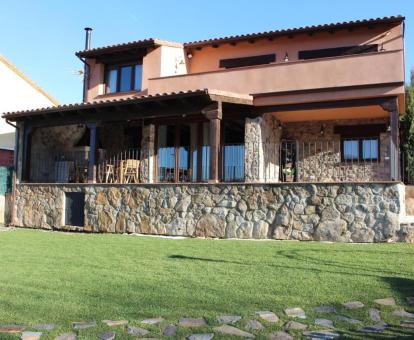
(18, 93)
(286, 134)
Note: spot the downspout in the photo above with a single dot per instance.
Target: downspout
(86, 68)
(15, 161)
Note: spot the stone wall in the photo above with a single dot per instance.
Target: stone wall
(262, 144)
(348, 212)
(319, 155)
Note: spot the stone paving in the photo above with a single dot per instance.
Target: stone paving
(324, 323)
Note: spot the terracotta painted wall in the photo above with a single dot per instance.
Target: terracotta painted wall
(207, 59)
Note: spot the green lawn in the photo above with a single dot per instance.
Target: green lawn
(51, 277)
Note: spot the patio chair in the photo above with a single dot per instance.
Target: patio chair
(131, 171)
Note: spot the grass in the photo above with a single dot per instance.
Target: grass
(50, 277)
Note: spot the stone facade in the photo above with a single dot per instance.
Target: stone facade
(147, 154)
(346, 212)
(319, 155)
(262, 144)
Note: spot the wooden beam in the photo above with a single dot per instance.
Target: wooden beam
(321, 105)
(92, 153)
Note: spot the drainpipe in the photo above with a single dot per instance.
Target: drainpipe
(88, 32)
(15, 163)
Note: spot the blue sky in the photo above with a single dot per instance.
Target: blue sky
(40, 37)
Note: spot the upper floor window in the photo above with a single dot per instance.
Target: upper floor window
(123, 78)
(248, 61)
(337, 51)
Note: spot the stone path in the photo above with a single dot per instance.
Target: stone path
(326, 326)
(230, 330)
(189, 322)
(295, 312)
(268, 316)
(169, 330)
(228, 318)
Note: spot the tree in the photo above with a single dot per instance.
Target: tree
(407, 132)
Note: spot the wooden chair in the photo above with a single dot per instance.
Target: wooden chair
(109, 173)
(131, 171)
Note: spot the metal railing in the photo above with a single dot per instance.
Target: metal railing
(333, 160)
(50, 166)
(119, 166)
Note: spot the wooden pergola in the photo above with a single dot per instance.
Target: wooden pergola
(211, 105)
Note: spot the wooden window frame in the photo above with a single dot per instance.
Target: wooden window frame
(117, 67)
(360, 158)
(199, 146)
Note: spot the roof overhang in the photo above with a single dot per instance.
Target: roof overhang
(131, 108)
(127, 50)
(294, 31)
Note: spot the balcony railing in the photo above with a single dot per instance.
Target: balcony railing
(59, 167)
(119, 166)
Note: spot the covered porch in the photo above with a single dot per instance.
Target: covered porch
(209, 136)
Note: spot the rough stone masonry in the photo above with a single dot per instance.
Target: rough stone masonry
(346, 212)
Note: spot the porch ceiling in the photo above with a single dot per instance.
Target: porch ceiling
(356, 112)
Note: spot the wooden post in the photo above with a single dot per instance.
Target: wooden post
(214, 114)
(391, 106)
(92, 153)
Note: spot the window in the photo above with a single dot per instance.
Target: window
(248, 61)
(123, 78)
(337, 51)
(361, 149)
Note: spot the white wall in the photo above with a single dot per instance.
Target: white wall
(18, 93)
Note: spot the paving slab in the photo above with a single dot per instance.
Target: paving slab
(325, 334)
(114, 323)
(402, 313)
(192, 322)
(31, 335)
(353, 304)
(254, 325)
(11, 329)
(206, 336)
(325, 309)
(295, 312)
(107, 336)
(374, 314)
(386, 301)
(268, 316)
(324, 323)
(136, 330)
(45, 326)
(152, 321)
(280, 336)
(83, 324)
(66, 336)
(295, 325)
(169, 330)
(230, 330)
(228, 318)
